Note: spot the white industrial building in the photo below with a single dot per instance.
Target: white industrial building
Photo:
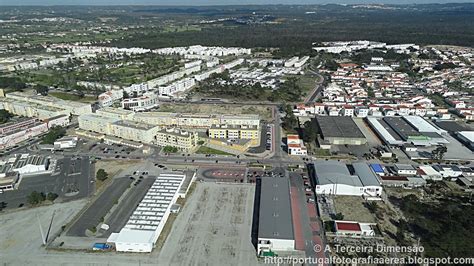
(147, 221)
(147, 101)
(405, 169)
(275, 228)
(334, 178)
(66, 142)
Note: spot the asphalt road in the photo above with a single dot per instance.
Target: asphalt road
(93, 214)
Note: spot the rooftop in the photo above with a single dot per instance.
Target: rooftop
(334, 172)
(275, 218)
(339, 126)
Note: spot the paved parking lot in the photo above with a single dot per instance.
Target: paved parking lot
(100, 207)
(71, 180)
(213, 228)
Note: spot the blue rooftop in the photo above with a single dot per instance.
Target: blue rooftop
(377, 167)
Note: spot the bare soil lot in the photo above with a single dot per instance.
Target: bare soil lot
(265, 112)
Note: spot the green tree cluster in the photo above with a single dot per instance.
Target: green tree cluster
(53, 134)
(5, 116)
(101, 175)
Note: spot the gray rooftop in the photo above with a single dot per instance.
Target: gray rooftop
(401, 126)
(366, 175)
(275, 218)
(338, 127)
(334, 172)
(451, 126)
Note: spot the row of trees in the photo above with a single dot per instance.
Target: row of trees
(35, 198)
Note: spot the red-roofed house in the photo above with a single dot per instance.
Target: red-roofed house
(295, 146)
(348, 228)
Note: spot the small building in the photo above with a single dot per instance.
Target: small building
(377, 168)
(448, 170)
(429, 173)
(404, 169)
(66, 142)
(349, 228)
(296, 146)
(402, 181)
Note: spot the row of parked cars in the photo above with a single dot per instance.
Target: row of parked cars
(308, 190)
(268, 145)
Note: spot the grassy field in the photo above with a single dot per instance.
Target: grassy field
(207, 150)
(72, 97)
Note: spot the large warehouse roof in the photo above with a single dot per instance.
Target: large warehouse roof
(275, 218)
(366, 175)
(334, 172)
(469, 135)
(422, 125)
(148, 219)
(401, 126)
(338, 127)
(385, 131)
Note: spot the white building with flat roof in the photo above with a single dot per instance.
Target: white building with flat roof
(147, 221)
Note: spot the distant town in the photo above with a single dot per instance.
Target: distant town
(213, 154)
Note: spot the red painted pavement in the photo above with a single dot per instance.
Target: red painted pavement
(296, 213)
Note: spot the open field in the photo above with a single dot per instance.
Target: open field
(21, 237)
(207, 150)
(213, 228)
(264, 111)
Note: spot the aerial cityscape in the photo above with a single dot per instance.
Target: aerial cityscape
(253, 134)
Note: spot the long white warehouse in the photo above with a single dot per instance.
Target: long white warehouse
(147, 221)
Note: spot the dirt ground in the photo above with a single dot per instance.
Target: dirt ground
(213, 228)
(264, 111)
(353, 209)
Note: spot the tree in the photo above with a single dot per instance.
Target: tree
(309, 132)
(372, 206)
(339, 216)
(41, 89)
(54, 133)
(35, 198)
(101, 175)
(5, 116)
(170, 149)
(51, 196)
(439, 152)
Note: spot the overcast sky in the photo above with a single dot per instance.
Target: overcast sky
(215, 2)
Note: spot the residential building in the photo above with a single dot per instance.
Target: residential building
(296, 146)
(175, 137)
(234, 132)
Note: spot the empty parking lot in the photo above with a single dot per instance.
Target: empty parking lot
(213, 228)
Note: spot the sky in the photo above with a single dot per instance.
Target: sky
(216, 2)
